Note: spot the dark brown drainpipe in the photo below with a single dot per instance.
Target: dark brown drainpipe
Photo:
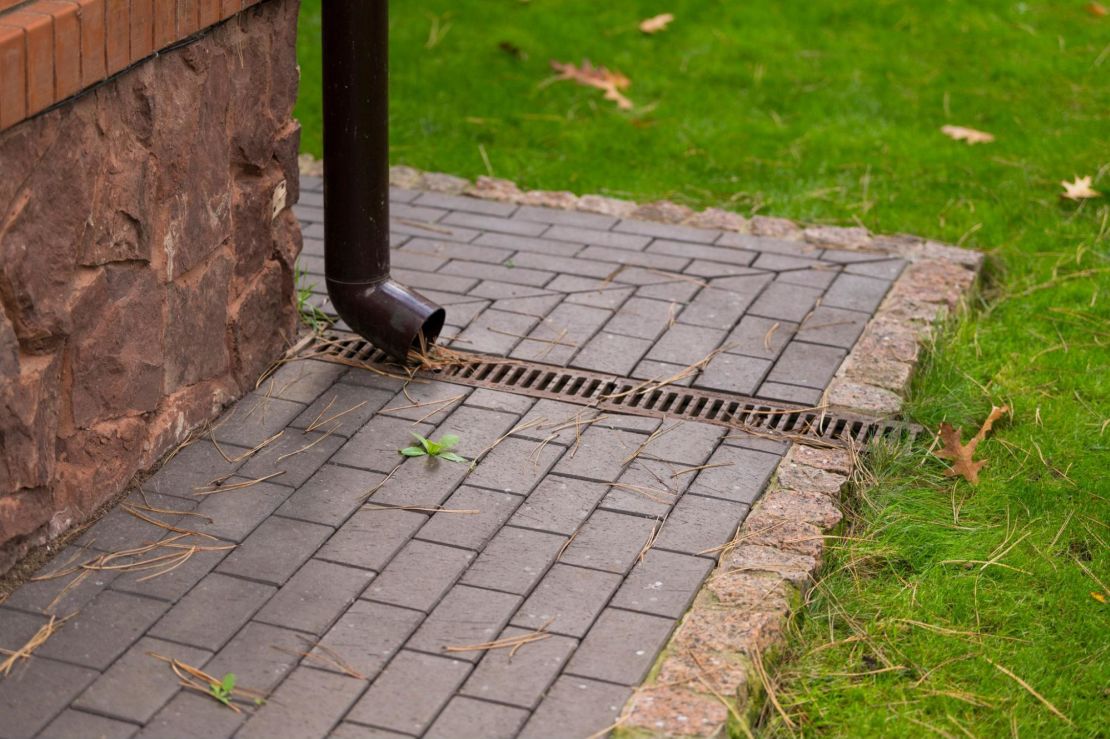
(356, 183)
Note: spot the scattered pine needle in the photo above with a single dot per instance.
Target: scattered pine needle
(1032, 692)
(420, 508)
(45, 631)
(201, 682)
(238, 485)
(510, 642)
(309, 446)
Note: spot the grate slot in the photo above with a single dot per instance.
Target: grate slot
(629, 396)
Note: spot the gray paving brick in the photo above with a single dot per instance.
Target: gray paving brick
(119, 530)
(626, 422)
(559, 505)
(506, 272)
(809, 365)
(522, 679)
(684, 344)
(806, 396)
(342, 409)
(611, 353)
(496, 400)
(370, 538)
(733, 373)
(464, 617)
(515, 466)
(668, 231)
(856, 292)
(422, 212)
(477, 337)
(260, 655)
(707, 269)
(760, 337)
(564, 217)
(577, 706)
(621, 647)
(402, 259)
(650, 369)
(670, 290)
(410, 692)
(254, 419)
(235, 513)
(470, 717)
(491, 223)
(191, 620)
(443, 233)
(275, 550)
(420, 399)
(307, 705)
(312, 265)
(697, 524)
(137, 684)
(428, 281)
(193, 467)
(568, 599)
(646, 490)
(397, 194)
(56, 596)
(637, 258)
(514, 560)
(376, 445)
(723, 300)
(368, 635)
(534, 305)
(331, 495)
(190, 716)
(580, 235)
(17, 627)
(366, 378)
(296, 455)
(643, 318)
(609, 541)
(610, 298)
(565, 265)
(315, 596)
(494, 290)
(818, 277)
(302, 381)
(37, 691)
(553, 416)
(465, 204)
(172, 584)
(419, 575)
(770, 245)
(420, 481)
(833, 326)
(476, 428)
(717, 255)
(73, 724)
(785, 302)
(600, 455)
(778, 447)
(515, 242)
(349, 730)
(687, 443)
(784, 262)
(455, 250)
(103, 630)
(887, 269)
(741, 481)
(663, 583)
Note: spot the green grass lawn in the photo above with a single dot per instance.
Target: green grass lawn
(830, 112)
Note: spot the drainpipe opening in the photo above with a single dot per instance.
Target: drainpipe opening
(356, 184)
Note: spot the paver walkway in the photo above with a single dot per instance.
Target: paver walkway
(592, 528)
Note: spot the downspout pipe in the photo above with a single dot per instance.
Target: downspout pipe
(356, 184)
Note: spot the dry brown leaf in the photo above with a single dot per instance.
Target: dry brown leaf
(970, 135)
(961, 453)
(1098, 10)
(600, 77)
(657, 23)
(1079, 190)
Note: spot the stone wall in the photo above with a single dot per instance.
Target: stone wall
(146, 265)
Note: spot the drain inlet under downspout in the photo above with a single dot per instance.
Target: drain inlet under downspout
(356, 183)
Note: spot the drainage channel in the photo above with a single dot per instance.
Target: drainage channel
(614, 394)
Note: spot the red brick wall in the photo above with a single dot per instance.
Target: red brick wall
(52, 49)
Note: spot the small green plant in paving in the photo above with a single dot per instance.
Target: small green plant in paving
(437, 449)
(222, 691)
(310, 315)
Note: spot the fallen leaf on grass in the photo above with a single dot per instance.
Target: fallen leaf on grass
(600, 77)
(1079, 190)
(1096, 9)
(657, 23)
(1098, 596)
(962, 454)
(970, 135)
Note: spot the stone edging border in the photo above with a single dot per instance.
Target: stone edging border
(712, 668)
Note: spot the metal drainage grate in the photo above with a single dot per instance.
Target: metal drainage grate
(631, 396)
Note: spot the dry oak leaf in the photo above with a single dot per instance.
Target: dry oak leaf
(1078, 190)
(1098, 10)
(600, 77)
(962, 454)
(970, 135)
(656, 23)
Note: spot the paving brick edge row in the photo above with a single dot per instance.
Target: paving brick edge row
(712, 667)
